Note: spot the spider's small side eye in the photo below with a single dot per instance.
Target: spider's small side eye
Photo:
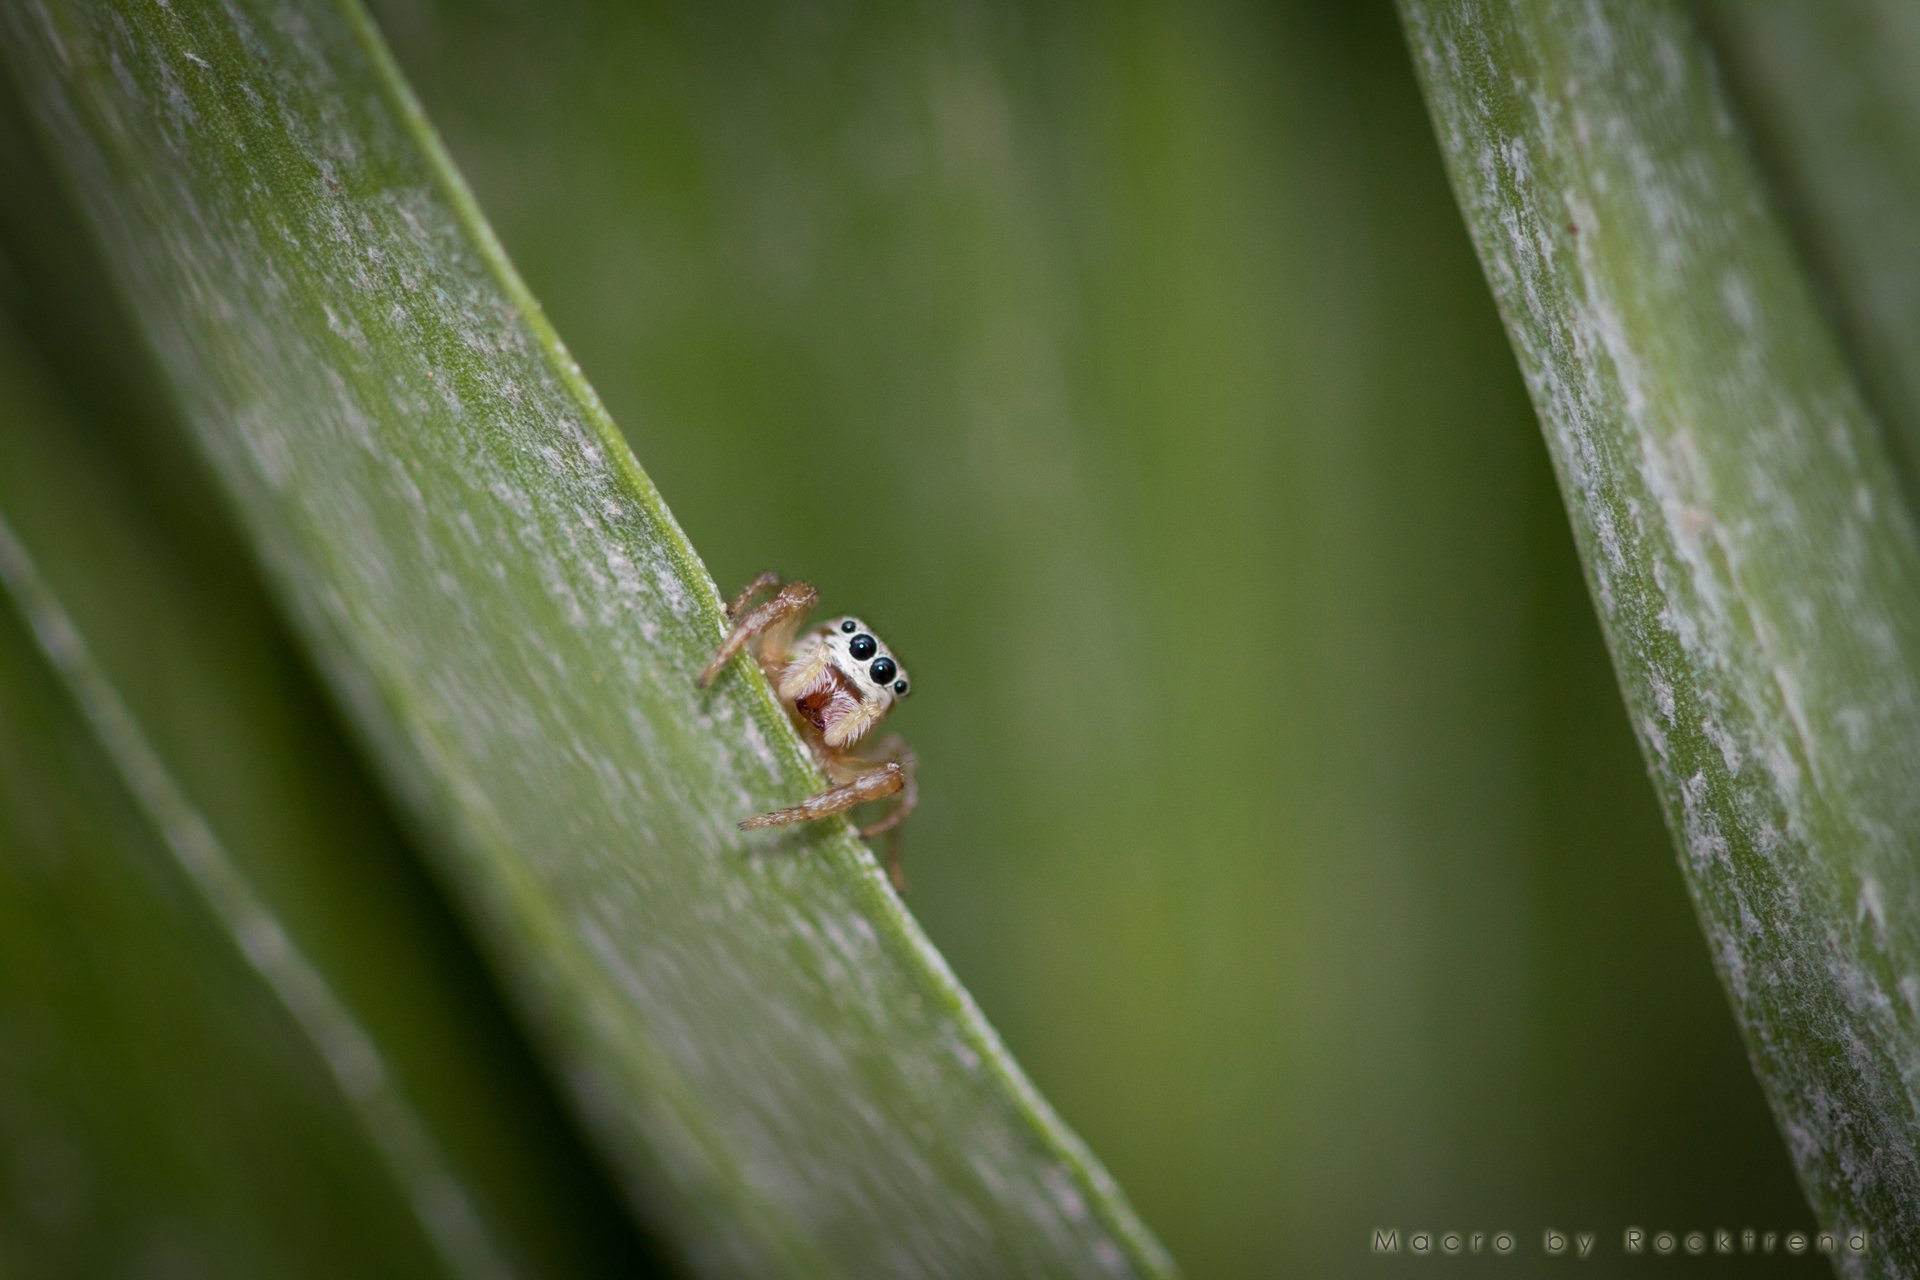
(900, 687)
(881, 670)
(862, 647)
(849, 626)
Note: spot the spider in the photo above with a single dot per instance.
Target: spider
(837, 682)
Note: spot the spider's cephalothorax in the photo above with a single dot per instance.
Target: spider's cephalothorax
(841, 680)
(838, 681)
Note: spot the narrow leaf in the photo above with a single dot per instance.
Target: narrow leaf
(1747, 541)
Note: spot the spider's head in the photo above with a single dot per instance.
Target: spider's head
(843, 680)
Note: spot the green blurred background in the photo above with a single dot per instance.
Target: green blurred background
(1129, 367)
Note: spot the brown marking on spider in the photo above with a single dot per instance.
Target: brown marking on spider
(838, 682)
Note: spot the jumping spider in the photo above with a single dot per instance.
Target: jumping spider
(837, 682)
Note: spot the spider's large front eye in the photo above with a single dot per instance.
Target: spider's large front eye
(849, 626)
(862, 647)
(881, 671)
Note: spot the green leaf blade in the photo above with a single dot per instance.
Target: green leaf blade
(166, 1080)
(283, 890)
(764, 1043)
(1747, 539)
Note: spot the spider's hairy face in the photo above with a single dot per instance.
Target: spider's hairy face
(842, 679)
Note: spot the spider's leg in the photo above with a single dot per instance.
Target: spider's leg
(765, 582)
(893, 773)
(876, 784)
(895, 751)
(776, 619)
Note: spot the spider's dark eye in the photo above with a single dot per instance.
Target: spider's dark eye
(900, 687)
(862, 647)
(881, 670)
(849, 626)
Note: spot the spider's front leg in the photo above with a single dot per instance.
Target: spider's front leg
(871, 780)
(876, 784)
(774, 621)
(894, 751)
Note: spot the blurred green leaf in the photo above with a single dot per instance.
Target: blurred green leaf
(1829, 95)
(252, 805)
(762, 1042)
(159, 1109)
(1747, 540)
